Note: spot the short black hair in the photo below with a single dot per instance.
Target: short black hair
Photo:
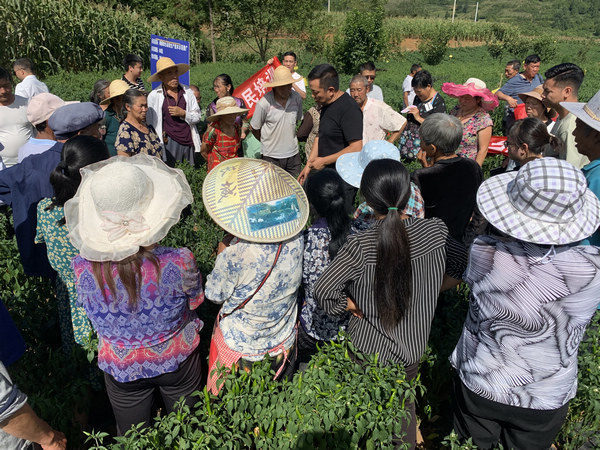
(515, 64)
(532, 59)
(130, 61)
(422, 79)
(290, 54)
(25, 64)
(369, 65)
(41, 126)
(566, 74)
(327, 76)
(5, 75)
(415, 67)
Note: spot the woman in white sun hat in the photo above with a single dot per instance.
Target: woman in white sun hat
(533, 293)
(257, 277)
(138, 295)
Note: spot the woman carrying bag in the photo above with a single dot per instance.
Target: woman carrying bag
(255, 278)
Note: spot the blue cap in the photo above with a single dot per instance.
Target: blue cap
(351, 166)
(69, 119)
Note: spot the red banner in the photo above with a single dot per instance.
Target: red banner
(497, 145)
(252, 90)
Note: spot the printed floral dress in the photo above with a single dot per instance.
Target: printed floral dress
(410, 140)
(220, 146)
(74, 323)
(132, 141)
(479, 121)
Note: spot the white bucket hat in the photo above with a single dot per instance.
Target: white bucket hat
(124, 203)
(587, 112)
(351, 166)
(546, 202)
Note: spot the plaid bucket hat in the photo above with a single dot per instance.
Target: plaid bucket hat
(546, 202)
(255, 200)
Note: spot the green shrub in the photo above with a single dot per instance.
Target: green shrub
(343, 400)
(435, 45)
(583, 421)
(363, 39)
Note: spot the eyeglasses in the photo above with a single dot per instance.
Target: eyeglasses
(370, 77)
(509, 144)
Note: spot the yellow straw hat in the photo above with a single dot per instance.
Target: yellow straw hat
(165, 63)
(255, 200)
(225, 106)
(116, 88)
(281, 77)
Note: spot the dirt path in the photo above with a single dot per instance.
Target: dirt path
(412, 44)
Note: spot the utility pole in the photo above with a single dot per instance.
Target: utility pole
(476, 10)
(453, 11)
(328, 6)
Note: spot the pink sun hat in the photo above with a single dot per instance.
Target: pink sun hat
(474, 87)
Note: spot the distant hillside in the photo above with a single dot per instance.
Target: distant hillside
(571, 17)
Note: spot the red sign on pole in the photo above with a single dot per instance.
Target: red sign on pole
(252, 90)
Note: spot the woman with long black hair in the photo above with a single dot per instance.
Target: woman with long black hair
(390, 275)
(328, 232)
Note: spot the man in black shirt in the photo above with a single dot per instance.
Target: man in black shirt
(340, 126)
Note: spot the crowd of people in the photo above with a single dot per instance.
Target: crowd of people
(93, 190)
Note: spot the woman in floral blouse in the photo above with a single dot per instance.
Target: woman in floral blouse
(139, 296)
(325, 192)
(474, 100)
(135, 136)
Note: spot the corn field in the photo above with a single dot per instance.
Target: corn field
(76, 35)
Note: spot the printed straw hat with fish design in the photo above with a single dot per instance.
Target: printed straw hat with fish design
(255, 200)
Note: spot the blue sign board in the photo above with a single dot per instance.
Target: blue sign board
(178, 51)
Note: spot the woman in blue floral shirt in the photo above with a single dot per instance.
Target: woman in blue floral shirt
(325, 192)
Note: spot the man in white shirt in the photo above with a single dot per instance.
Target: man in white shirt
(562, 85)
(29, 85)
(407, 89)
(379, 119)
(274, 122)
(15, 129)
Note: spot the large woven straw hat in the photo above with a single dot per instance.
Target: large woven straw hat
(546, 202)
(123, 204)
(165, 63)
(255, 200)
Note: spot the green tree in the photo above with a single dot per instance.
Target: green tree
(257, 22)
(363, 38)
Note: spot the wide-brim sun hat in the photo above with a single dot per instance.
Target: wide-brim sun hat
(589, 112)
(536, 93)
(226, 105)
(351, 166)
(255, 200)
(115, 89)
(125, 203)
(546, 202)
(281, 77)
(165, 63)
(475, 88)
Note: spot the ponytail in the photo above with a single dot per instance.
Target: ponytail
(386, 187)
